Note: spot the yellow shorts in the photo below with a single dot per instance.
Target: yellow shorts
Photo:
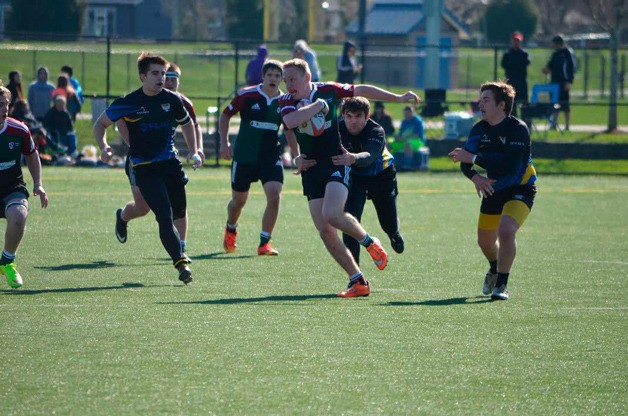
(518, 210)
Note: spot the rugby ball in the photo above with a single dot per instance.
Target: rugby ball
(314, 126)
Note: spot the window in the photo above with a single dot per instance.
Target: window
(101, 21)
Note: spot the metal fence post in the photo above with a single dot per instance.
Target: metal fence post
(217, 132)
(586, 74)
(602, 74)
(108, 77)
(495, 62)
(622, 76)
(237, 64)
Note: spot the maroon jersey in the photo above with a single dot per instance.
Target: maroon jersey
(15, 141)
(190, 107)
(327, 144)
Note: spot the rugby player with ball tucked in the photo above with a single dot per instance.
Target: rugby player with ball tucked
(326, 185)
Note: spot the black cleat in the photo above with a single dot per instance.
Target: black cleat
(185, 274)
(397, 243)
(120, 226)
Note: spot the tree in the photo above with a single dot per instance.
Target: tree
(44, 16)
(244, 20)
(191, 17)
(502, 17)
(611, 16)
(294, 20)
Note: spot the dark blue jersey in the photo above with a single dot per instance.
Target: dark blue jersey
(371, 139)
(504, 150)
(150, 121)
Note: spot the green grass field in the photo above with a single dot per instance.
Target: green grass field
(101, 328)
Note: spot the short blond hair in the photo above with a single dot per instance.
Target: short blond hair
(299, 64)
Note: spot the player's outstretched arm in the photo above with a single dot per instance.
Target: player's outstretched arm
(375, 93)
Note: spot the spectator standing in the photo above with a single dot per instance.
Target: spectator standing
(40, 93)
(254, 67)
(561, 66)
(383, 118)
(69, 71)
(515, 63)
(347, 65)
(303, 51)
(58, 123)
(15, 87)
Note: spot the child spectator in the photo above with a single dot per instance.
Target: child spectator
(69, 71)
(66, 90)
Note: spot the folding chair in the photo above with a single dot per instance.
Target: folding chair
(543, 103)
(434, 99)
(432, 107)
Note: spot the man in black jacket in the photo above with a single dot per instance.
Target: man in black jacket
(561, 66)
(515, 62)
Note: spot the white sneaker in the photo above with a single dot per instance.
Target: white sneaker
(489, 283)
(500, 293)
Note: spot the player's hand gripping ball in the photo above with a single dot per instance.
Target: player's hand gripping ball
(314, 126)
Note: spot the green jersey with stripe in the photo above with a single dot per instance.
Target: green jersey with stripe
(258, 138)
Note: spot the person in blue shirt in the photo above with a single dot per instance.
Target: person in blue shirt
(411, 128)
(150, 113)
(500, 144)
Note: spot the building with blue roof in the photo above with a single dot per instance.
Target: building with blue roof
(391, 27)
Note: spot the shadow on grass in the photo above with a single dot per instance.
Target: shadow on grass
(71, 289)
(221, 255)
(235, 301)
(444, 302)
(78, 266)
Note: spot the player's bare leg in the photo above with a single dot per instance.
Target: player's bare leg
(329, 235)
(333, 211)
(234, 210)
(272, 190)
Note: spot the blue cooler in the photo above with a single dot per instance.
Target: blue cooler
(458, 124)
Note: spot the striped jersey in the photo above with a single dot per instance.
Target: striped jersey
(328, 144)
(15, 141)
(258, 137)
